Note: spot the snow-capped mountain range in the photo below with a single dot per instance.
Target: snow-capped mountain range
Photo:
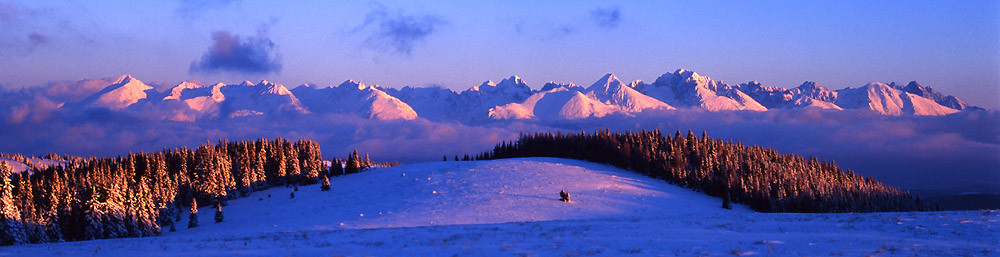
(511, 99)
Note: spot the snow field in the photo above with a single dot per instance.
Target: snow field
(511, 207)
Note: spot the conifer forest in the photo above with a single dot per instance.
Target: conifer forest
(759, 177)
(140, 194)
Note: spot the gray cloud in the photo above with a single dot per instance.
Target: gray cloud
(397, 32)
(194, 8)
(606, 17)
(26, 29)
(36, 40)
(229, 53)
(542, 29)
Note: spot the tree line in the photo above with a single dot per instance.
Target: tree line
(138, 194)
(761, 178)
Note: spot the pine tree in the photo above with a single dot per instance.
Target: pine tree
(325, 184)
(353, 163)
(218, 212)
(726, 202)
(11, 228)
(337, 167)
(193, 219)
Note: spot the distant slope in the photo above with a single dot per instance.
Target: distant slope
(967, 202)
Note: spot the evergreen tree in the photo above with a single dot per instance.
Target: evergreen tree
(353, 163)
(325, 184)
(11, 228)
(218, 212)
(337, 167)
(193, 219)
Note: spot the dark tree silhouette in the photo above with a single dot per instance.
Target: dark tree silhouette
(218, 212)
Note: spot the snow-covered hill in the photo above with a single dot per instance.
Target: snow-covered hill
(511, 207)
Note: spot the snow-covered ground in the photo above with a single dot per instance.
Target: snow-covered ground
(511, 207)
(17, 166)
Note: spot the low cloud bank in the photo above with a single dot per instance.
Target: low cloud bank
(955, 153)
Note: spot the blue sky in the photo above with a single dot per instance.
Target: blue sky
(952, 46)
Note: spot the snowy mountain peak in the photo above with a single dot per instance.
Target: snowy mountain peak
(685, 73)
(609, 90)
(175, 93)
(888, 100)
(553, 85)
(687, 88)
(352, 97)
(606, 83)
(609, 77)
(352, 84)
(274, 89)
(809, 85)
(513, 87)
(927, 92)
(120, 95)
(635, 83)
(514, 82)
(914, 85)
(124, 79)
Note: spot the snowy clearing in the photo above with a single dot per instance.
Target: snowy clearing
(511, 207)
